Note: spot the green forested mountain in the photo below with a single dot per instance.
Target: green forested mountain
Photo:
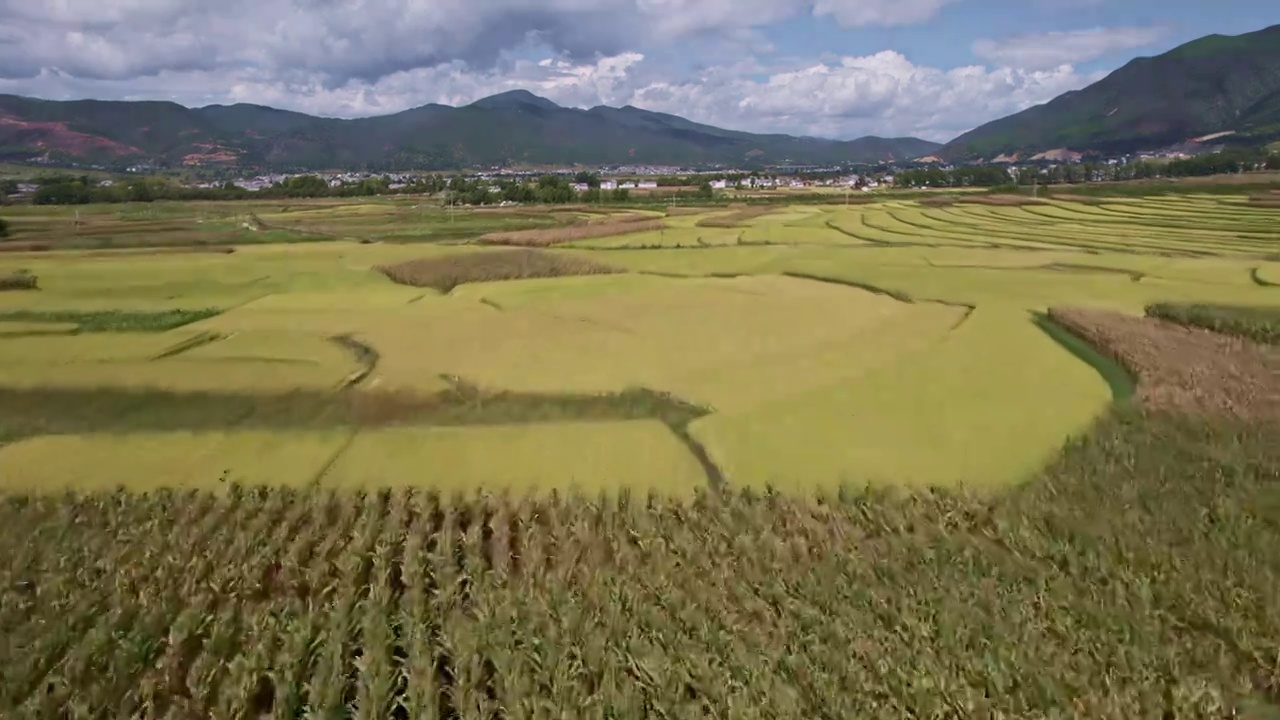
(1216, 84)
(514, 128)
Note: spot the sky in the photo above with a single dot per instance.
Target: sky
(828, 68)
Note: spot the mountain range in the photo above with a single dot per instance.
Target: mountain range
(1227, 86)
(1224, 89)
(512, 128)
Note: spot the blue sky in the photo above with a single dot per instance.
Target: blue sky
(833, 68)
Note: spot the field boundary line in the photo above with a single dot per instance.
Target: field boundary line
(204, 338)
(1122, 381)
(318, 480)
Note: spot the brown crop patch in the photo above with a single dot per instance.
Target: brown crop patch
(20, 280)
(739, 216)
(675, 210)
(1185, 369)
(595, 228)
(449, 271)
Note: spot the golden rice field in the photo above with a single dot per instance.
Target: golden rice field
(826, 461)
(822, 345)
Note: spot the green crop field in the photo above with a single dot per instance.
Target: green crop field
(326, 459)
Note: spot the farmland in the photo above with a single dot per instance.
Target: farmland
(799, 332)
(514, 461)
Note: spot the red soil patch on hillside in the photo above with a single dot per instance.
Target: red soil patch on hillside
(57, 136)
(210, 153)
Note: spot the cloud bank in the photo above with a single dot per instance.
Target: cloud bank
(350, 58)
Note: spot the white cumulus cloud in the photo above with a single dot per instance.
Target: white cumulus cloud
(1048, 50)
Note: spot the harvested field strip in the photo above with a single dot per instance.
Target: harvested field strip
(1188, 369)
(557, 236)
(446, 272)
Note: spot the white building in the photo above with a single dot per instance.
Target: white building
(608, 184)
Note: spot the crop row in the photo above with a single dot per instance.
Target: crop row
(1134, 579)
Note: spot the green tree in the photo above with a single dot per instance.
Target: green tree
(704, 191)
(621, 195)
(4, 228)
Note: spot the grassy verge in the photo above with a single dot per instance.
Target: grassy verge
(43, 411)
(112, 320)
(1258, 324)
(1118, 379)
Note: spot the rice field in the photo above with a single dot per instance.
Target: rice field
(822, 344)
(848, 461)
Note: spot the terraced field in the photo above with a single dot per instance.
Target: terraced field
(653, 473)
(821, 345)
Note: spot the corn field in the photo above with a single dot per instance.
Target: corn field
(1136, 579)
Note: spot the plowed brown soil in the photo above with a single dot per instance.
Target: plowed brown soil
(1185, 369)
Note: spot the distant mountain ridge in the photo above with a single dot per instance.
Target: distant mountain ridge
(1216, 84)
(511, 128)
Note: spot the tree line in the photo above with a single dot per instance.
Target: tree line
(546, 189)
(1229, 161)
